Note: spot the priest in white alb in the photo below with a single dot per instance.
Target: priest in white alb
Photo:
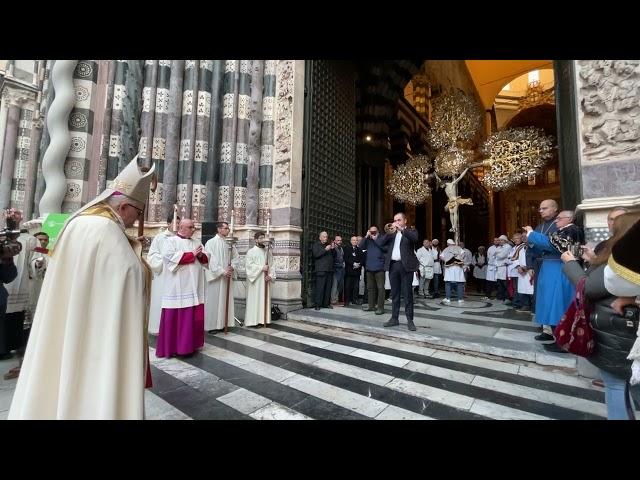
(220, 275)
(87, 355)
(156, 262)
(260, 272)
(182, 318)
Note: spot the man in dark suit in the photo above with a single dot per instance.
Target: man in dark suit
(353, 259)
(323, 256)
(400, 261)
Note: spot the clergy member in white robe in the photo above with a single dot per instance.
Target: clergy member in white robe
(182, 318)
(156, 262)
(452, 256)
(219, 275)
(502, 264)
(258, 275)
(86, 355)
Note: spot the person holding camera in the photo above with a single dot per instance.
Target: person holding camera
(401, 263)
(374, 266)
(323, 257)
(553, 290)
(613, 339)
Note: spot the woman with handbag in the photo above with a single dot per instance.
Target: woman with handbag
(612, 340)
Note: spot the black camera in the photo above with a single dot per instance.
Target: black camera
(9, 244)
(606, 319)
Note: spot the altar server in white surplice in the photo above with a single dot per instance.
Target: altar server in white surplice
(258, 274)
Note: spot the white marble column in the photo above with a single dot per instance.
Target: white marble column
(57, 124)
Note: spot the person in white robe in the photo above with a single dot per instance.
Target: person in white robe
(512, 270)
(260, 272)
(156, 262)
(452, 256)
(425, 258)
(87, 354)
(220, 277)
(182, 317)
(502, 263)
(480, 268)
(524, 300)
(492, 269)
(437, 267)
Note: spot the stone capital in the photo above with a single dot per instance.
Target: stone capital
(16, 97)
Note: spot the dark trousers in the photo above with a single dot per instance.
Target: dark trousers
(375, 289)
(479, 285)
(435, 283)
(324, 281)
(522, 300)
(12, 332)
(502, 290)
(401, 281)
(488, 288)
(351, 289)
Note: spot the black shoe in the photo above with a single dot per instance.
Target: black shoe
(411, 326)
(6, 356)
(380, 311)
(212, 331)
(317, 308)
(544, 337)
(523, 309)
(391, 323)
(369, 309)
(553, 347)
(329, 306)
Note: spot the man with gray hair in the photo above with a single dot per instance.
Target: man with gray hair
(87, 354)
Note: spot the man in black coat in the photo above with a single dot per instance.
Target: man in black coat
(401, 262)
(323, 256)
(353, 259)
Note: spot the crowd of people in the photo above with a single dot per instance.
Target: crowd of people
(534, 272)
(97, 296)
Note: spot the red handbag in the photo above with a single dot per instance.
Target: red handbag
(574, 333)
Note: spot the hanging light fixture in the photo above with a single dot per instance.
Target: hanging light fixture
(409, 182)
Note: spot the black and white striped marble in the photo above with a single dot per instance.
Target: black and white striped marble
(299, 371)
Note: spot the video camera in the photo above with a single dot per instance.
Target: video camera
(9, 244)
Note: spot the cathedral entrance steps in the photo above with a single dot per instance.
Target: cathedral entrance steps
(472, 334)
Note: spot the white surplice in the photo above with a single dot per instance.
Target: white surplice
(36, 273)
(256, 289)
(20, 288)
(216, 283)
(184, 283)
(156, 262)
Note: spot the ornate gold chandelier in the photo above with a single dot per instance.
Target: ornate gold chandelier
(514, 155)
(450, 162)
(409, 182)
(456, 118)
(535, 95)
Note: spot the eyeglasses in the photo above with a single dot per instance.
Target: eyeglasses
(140, 210)
(566, 218)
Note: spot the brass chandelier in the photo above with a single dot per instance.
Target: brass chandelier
(514, 155)
(409, 182)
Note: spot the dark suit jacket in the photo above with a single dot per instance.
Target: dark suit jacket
(323, 258)
(407, 248)
(350, 259)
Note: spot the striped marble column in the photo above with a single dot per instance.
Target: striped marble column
(81, 125)
(229, 135)
(21, 169)
(172, 151)
(101, 116)
(159, 143)
(187, 139)
(115, 140)
(14, 101)
(215, 139)
(201, 152)
(255, 130)
(242, 141)
(106, 150)
(36, 135)
(266, 149)
(131, 110)
(4, 110)
(147, 117)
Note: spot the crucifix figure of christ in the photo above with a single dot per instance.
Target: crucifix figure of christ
(451, 189)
